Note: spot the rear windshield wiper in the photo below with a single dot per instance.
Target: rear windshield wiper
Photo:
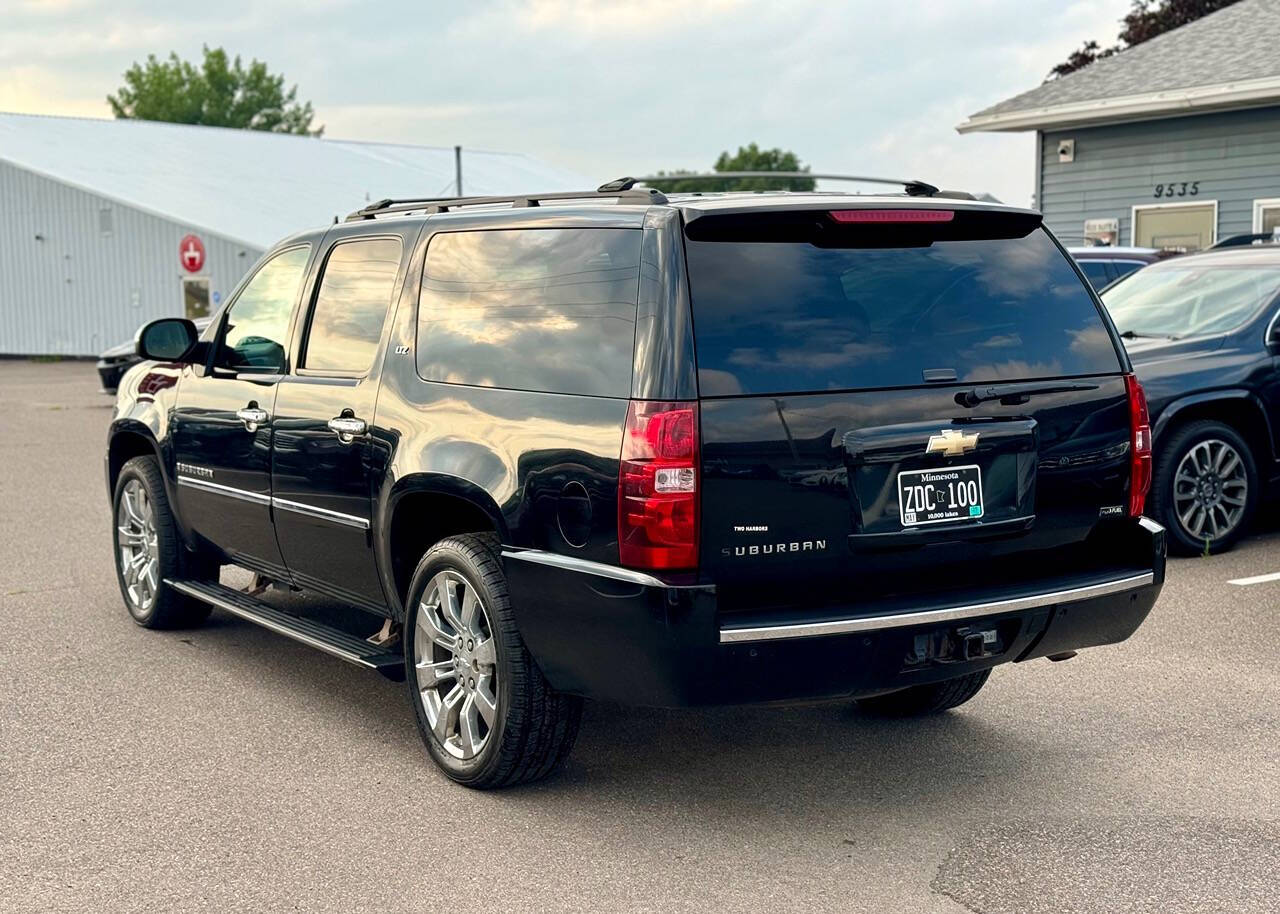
(1136, 335)
(1015, 394)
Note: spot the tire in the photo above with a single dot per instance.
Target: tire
(504, 725)
(145, 539)
(926, 699)
(1188, 453)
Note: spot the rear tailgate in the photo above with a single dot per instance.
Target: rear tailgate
(893, 408)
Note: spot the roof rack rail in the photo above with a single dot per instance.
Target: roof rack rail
(621, 190)
(912, 187)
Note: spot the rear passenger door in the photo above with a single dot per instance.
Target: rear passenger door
(321, 478)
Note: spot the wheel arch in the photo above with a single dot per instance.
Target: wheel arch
(421, 510)
(131, 438)
(1238, 408)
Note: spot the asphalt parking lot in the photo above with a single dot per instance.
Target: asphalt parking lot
(227, 768)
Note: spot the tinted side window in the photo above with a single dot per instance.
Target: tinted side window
(351, 305)
(257, 326)
(531, 309)
(1125, 267)
(1096, 272)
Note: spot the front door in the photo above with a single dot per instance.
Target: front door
(195, 297)
(321, 479)
(222, 426)
(1176, 227)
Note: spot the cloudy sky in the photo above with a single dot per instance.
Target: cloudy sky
(604, 88)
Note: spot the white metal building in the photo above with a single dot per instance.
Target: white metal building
(107, 224)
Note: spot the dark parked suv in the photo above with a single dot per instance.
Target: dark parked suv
(666, 451)
(1203, 332)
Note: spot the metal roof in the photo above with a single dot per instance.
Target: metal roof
(248, 185)
(1228, 59)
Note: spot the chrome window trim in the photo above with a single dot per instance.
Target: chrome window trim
(933, 616)
(219, 489)
(337, 517)
(570, 563)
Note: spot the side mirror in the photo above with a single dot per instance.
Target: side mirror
(170, 339)
(1273, 334)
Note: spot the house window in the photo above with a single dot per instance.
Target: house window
(1266, 216)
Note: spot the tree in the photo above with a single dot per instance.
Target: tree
(218, 93)
(1085, 55)
(1146, 20)
(747, 158)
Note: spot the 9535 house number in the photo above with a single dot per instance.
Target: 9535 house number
(1178, 189)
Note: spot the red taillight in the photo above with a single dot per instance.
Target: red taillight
(893, 215)
(1139, 446)
(658, 486)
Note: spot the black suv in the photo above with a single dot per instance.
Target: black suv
(666, 451)
(1203, 332)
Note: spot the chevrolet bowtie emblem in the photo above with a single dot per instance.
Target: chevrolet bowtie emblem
(951, 443)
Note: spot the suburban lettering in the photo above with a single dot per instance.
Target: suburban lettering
(774, 548)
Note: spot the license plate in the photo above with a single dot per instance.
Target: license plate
(941, 495)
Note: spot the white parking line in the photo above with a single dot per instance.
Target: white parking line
(1256, 579)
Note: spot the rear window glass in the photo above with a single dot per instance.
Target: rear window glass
(531, 309)
(790, 316)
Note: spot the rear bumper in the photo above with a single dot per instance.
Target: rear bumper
(624, 636)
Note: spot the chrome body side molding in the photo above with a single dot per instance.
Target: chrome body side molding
(297, 507)
(570, 563)
(337, 517)
(218, 489)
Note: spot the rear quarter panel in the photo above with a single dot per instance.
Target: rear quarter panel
(512, 453)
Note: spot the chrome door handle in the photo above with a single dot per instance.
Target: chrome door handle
(252, 417)
(347, 428)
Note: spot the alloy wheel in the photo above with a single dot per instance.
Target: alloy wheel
(1210, 490)
(139, 546)
(455, 665)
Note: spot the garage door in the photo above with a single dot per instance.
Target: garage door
(1181, 228)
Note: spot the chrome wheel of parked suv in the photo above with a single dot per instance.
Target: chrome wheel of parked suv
(139, 550)
(456, 665)
(486, 713)
(149, 550)
(1205, 486)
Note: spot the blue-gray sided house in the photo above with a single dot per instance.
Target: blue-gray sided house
(1173, 143)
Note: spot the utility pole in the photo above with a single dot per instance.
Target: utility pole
(457, 170)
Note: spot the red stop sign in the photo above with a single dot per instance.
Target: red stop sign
(191, 252)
